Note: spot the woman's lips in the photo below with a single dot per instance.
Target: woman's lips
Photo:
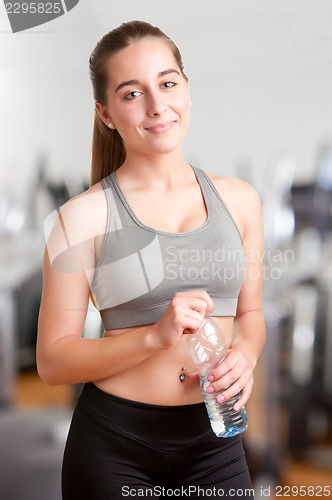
(160, 128)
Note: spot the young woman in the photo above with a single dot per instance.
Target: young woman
(157, 244)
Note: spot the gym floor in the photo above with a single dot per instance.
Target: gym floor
(30, 391)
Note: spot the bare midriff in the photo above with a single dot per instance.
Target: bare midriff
(161, 379)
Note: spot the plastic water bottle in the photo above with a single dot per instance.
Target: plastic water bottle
(208, 348)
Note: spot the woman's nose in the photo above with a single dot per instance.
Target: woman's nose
(156, 104)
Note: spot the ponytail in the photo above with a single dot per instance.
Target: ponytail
(108, 151)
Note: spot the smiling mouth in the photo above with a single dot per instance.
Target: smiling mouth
(161, 128)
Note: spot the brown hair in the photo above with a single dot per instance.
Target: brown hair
(108, 150)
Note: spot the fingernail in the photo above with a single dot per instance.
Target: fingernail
(237, 407)
(220, 398)
(210, 378)
(210, 389)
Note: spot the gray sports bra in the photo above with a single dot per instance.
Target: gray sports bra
(141, 268)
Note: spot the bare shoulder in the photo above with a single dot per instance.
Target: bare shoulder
(88, 198)
(234, 187)
(75, 229)
(240, 197)
(85, 215)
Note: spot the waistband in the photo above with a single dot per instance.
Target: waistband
(113, 318)
(163, 427)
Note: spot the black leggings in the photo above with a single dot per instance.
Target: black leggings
(118, 448)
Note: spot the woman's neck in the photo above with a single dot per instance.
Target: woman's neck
(160, 171)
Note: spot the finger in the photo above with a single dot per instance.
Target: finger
(191, 313)
(191, 324)
(209, 301)
(224, 367)
(233, 390)
(228, 379)
(246, 391)
(195, 304)
(200, 294)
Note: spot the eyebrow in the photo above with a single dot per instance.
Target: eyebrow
(136, 82)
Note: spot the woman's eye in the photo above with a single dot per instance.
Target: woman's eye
(168, 85)
(132, 95)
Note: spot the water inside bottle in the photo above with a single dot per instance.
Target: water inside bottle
(224, 420)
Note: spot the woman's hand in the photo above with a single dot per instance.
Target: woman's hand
(236, 372)
(184, 314)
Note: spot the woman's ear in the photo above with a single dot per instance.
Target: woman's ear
(104, 115)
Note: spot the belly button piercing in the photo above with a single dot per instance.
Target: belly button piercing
(182, 377)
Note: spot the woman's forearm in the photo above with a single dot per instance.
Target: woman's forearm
(73, 359)
(250, 334)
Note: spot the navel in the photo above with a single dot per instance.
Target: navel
(182, 375)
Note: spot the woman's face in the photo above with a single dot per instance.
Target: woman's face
(147, 98)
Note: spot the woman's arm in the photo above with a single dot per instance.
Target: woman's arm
(249, 327)
(63, 356)
(249, 330)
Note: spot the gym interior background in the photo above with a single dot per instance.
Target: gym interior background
(260, 75)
